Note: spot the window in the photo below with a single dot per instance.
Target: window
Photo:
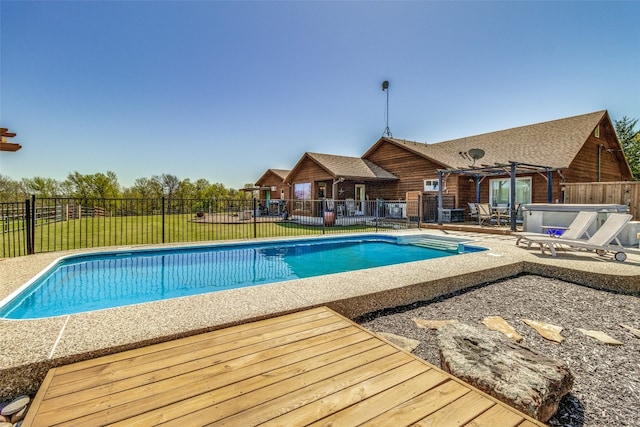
(430, 185)
(302, 197)
(501, 188)
(302, 191)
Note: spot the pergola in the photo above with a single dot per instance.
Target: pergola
(511, 169)
(8, 146)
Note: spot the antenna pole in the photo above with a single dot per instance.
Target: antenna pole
(387, 131)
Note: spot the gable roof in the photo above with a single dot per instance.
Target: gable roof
(554, 143)
(346, 167)
(281, 173)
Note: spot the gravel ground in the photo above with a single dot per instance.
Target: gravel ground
(606, 391)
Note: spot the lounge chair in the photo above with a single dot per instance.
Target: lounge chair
(576, 229)
(599, 242)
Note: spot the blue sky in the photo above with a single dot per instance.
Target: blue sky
(226, 90)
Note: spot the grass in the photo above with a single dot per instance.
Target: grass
(90, 232)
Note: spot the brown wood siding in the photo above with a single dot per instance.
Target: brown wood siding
(601, 153)
(273, 180)
(410, 168)
(309, 171)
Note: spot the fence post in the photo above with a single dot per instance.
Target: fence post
(30, 223)
(163, 208)
(27, 224)
(420, 210)
(33, 224)
(255, 215)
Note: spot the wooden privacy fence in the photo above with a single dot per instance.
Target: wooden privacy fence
(620, 193)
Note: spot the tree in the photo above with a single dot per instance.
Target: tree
(11, 191)
(145, 188)
(98, 185)
(630, 140)
(42, 187)
(168, 182)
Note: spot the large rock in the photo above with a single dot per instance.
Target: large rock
(526, 380)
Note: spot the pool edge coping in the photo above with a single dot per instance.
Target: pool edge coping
(26, 373)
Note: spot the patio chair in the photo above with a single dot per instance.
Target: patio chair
(350, 206)
(600, 242)
(578, 228)
(485, 214)
(473, 211)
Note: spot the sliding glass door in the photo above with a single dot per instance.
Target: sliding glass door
(500, 189)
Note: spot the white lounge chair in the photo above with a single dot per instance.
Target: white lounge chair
(576, 229)
(599, 242)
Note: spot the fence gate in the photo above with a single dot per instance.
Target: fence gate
(430, 206)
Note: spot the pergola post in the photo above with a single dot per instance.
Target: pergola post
(512, 198)
(440, 206)
(549, 186)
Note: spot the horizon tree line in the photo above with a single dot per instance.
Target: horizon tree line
(106, 186)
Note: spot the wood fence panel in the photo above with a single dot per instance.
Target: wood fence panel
(620, 193)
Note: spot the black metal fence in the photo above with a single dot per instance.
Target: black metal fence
(39, 225)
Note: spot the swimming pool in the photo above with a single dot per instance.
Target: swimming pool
(95, 281)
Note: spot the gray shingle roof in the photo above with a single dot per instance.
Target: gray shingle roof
(350, 167)
(554, 143)
(282, 173)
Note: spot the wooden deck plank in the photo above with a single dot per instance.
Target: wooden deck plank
(497, 415)
(186, 361)
(528, 423)
(196, 346)
(349, 395)
(313, 367)
(295, 412)
(384, 401)
(458, 412)
(324, 376)
(161, 393)
(245, 387)
(417, 408)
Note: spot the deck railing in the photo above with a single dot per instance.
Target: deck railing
(39, 225)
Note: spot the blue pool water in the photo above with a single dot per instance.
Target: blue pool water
(97, 281)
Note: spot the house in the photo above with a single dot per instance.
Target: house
(326, 176)
(272, 190)
(583, 148)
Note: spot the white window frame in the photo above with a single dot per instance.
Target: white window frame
(508, 180)
(430, 185)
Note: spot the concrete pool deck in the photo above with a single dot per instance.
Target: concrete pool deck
(32, 347)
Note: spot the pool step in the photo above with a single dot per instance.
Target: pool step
(438, 244)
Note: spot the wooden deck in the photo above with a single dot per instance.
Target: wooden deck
(313, 367)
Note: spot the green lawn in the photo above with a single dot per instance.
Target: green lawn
(90, 232)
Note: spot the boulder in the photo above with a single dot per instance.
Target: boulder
(522, 378)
